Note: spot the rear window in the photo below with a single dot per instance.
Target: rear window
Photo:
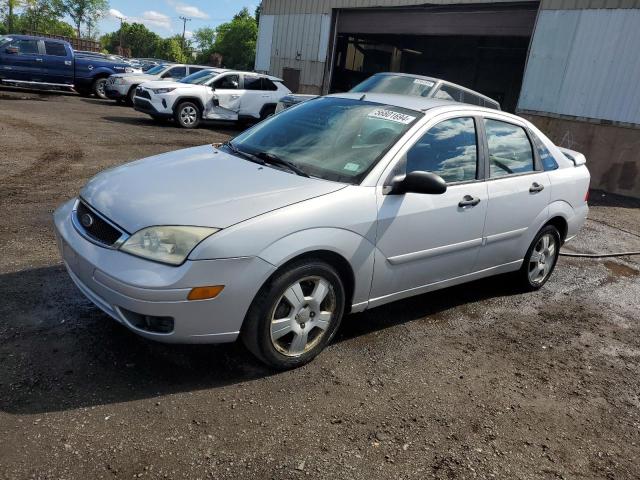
(252, 83)
(447, 92)
(268, 84)
(546, 158)
(55, 49)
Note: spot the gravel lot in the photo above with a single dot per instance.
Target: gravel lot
(476, 381)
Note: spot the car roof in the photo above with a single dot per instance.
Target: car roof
(435, 79)
(264, 75)
(404, 101)
(32, 37)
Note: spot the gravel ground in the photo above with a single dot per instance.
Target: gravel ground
(476, 381)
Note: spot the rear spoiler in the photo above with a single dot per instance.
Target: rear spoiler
(576, 157)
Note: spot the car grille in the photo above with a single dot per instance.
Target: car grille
(141, 92)
(95, 227)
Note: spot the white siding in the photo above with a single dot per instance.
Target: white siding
(584, 63)
(265, 38)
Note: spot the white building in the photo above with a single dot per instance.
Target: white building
(571, 66)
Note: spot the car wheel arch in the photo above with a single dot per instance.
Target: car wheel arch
(561, 224)
(194, 100)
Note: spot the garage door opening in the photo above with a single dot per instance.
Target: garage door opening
(480, 48)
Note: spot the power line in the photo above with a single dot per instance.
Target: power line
(184, 28)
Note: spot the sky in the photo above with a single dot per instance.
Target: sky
(162, 16)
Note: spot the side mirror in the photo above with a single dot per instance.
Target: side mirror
(12, 50)
(418, 182)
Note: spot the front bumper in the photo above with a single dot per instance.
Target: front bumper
(119, 284)
(116, 92)
(147, 106)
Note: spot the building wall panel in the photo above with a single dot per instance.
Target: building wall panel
(583, 63)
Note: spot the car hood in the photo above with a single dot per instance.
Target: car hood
(136, 77)
(169, 84)
(199, 186)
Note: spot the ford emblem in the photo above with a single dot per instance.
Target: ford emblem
(86, 220)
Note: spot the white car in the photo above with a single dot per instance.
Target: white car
(122, 87)
(212, 94)
(340, 204)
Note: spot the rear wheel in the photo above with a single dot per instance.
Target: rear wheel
(295, 315)
(541, 258)
(188, 115)
(98, 88)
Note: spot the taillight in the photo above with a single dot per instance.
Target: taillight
(586, 196)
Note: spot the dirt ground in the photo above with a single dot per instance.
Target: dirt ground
(476, 381)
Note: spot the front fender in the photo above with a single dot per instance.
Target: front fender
(354, 248)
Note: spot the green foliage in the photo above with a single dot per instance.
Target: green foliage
(135, 36)
(83, 12)
(171, 49)
(234, 40)
(44, 16)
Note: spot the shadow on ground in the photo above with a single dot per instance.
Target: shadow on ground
(59, 352)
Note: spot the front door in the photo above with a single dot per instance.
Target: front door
(21, 60)
(426, 239)
(225, 104)
(519, 192)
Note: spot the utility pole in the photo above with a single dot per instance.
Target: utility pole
(184, 29)
(121, 46)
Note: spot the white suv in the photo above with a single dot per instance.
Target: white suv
(211, 94)
(122, 87)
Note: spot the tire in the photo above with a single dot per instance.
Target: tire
(286, 331)
(541, 259)
(130, 95)
(187, 115)
(267, 111)
(98, 87)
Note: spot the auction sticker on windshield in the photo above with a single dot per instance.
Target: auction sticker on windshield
(427, 83)
(392, 116)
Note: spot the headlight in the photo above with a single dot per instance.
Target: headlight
(158, 91)
(117, 81)
(170, 245)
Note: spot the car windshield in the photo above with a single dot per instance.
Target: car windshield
(402, 85)
(338, 139)
(156, 70)
(200, 78)
(4, 40)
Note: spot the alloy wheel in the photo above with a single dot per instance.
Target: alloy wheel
(542, 259)
(302, 316)
(188, 115)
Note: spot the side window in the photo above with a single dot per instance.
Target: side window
(509, 149)
(176, 73)
(448, 149)
(252, 83)
(473, 99)
(268, 84)
(546, 158)
(56, 49)
(447, 92)
(195, 69)
(26, 47)
(229, 82)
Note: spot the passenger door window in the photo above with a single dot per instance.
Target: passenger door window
(448, 149)
(26, 47)
(509, 149)
(228, 82)
(176, 73)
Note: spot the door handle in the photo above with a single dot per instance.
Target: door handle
(67, 62)
(235, 96)
(536, 187)
(468, 201)
(38, 59)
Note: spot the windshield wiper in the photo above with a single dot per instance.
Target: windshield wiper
(245, 155)
(275, 160)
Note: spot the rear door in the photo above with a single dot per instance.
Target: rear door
(58, 63)
(519, 192)
(253, 96)
(21, 60)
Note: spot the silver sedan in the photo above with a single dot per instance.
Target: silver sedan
(339, 204)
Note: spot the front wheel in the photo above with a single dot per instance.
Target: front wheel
(295, 315)
(541, 258)
(188, 115)
(99, 86)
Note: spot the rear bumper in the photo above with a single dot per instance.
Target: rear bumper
(124, 286)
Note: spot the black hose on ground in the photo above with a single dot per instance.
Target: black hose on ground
(598, 255)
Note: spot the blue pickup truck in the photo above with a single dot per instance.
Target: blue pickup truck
(51, 63)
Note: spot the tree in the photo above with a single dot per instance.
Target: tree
(139, 39)
(10, 6)
(236, 41)
(258, 12)
(205, 38)
(44, 16)
(171, 49)
(83, 11)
